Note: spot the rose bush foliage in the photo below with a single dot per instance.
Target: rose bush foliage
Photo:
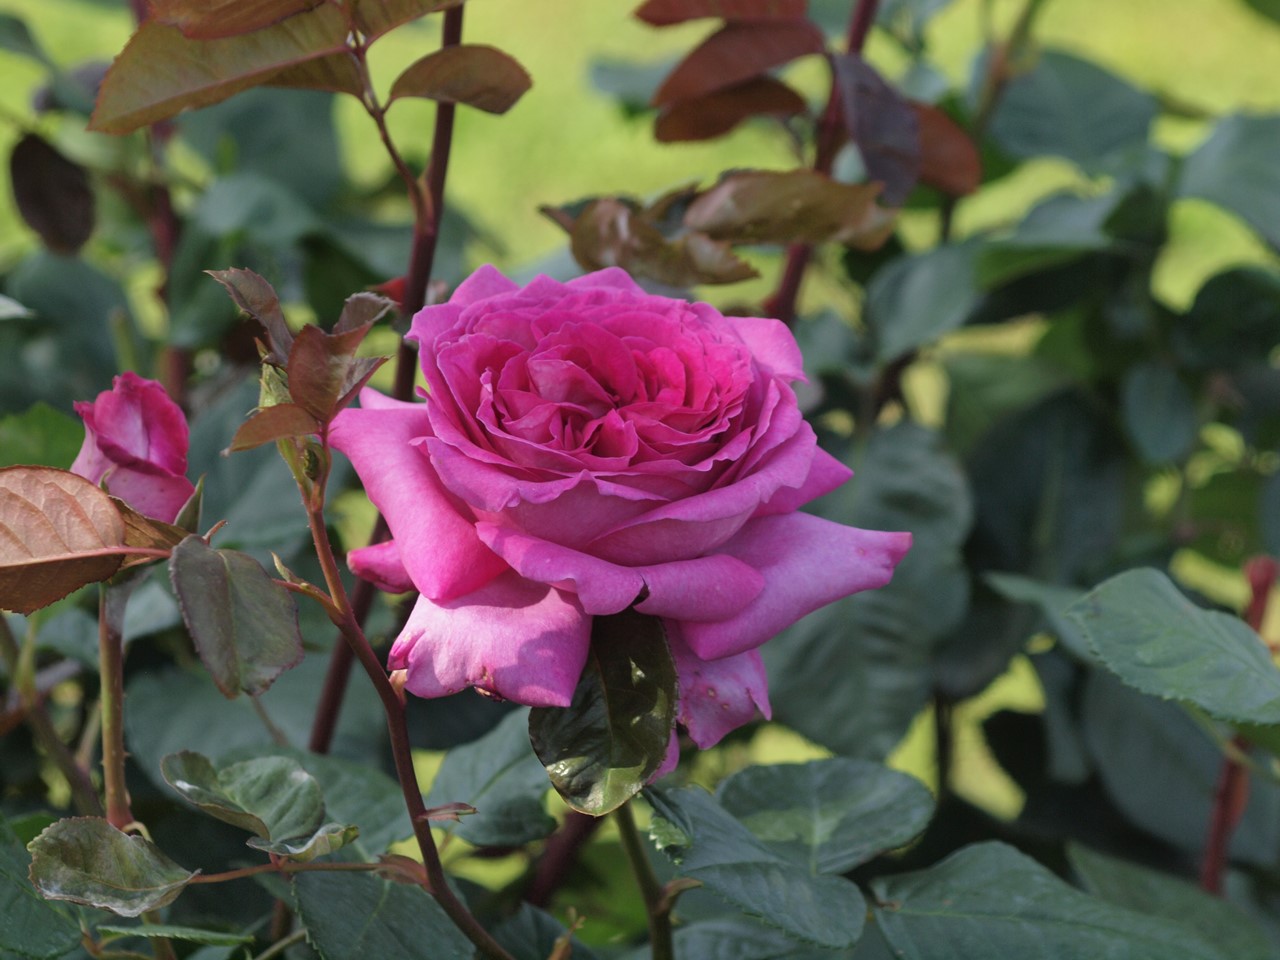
(135, 444)
(586, 447)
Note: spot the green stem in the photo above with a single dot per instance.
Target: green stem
(657, 905)
(111, 603)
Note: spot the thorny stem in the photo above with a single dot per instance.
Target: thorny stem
(111, 667)
(657, 904)
(83, 794)
(393, 705)
(1232, 792)
(830, 131)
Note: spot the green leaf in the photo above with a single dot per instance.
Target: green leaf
(1238, 168)
(1058, 230)
(16, 38)
(327, 838)
(1218, 924)
(737, 938)
(916, 299)
(40, 436)
(1159, 412)
(735, 866)
(28, 925)
(603, 748)
(1157, 641)
(160, 72)
(1053, 601)
(533, 934)
(1234, 320)
(988, 900)
(473, 74)
(500, 776)
(377, 918)
(249, 206)
(1072, 108)
(86, 860)
(272, 797)
(828, 816)
(211, 938)
(244, 624)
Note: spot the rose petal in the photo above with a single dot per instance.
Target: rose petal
(771, 343)
(717, 696)
(671, 760)
(151, 494)
(826, 474)
(438, 545)
(381, 565)
(807, 563)
(612, 277)
(520, 640)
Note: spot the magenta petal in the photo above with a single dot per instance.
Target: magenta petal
(772, 344)
(151, 494)
(380, 564)
(714, 587)
(516, 639)
(488, 281)
(611, 277)
(438, 545)
(717, 696)
(671, 760)
(807, 563)
(826, 474)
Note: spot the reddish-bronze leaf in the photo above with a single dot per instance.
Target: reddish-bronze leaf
(57, 531)
(269, 424)
(160, 72)
(949, 159)
(738, 52)
(53, 194)
(325, 373)
(882, 124)
(256, 297)
(376, 17)
(362, 310)
(662, 13)
(142, 531)
(211, 19)
(479, 76)
(705, 117)
(796, 206)
(336, 73)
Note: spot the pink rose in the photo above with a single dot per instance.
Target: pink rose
(587, 447)
(135, 440)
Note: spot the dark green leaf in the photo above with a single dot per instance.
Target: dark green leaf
(915, 300)
(41, 436)
(29, 926)
(828, 816)
(603, 748)
(376, 919)
(254, 208)
(501, 777)
(52, 194)
(474, 74)
(1058, 230)
(1072, 108)
(986, 387)
(16, 38)
(533, 934)
(988, 901)
(745, 939)
(1053, 601)
(1234, 321)
(1157, 641)
(1159, 412)
(244, 624)
(212, 938)
(1238, 167)
(709, 845)
(327, 838)
(86, 860)
(272, 797)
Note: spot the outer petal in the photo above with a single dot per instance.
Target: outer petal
(807, 563)
(438, 544)
(151, 494)
(772, 344)
(717, 696)
(826, 474)
(612, 277)
(380, 564)
(520, 640)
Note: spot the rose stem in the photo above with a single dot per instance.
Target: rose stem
(83, 794)
(558, 856)
(426, 231)
(1232, 793)
(830, 129)
(657, 905)
(111, 667)
(436, 884)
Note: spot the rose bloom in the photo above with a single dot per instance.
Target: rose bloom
(586, 447)
(135, 444)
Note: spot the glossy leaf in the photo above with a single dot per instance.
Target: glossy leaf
(663, 13)
(244, 625)
(269, 424)
(709, 845)
(211, 19)
(57, 533)
(499, 776)
(256, 297)
(828, 816)
(212, 938)
(738, 52)
(52, 193)
(29, 926)
(949, 159)
(797, 206)
(160, 72)
(1157, 641)
(1238, 168)
(479, 76)
(1159, 412)
(606, 745)
(86, 860)
(988, 900)
(882, 124)
(714, 114)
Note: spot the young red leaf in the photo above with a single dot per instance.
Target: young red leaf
(479, 76)
(325, 373)
(662, 13)
(52, 193)
(336, 73)
(882, 124)
(56, 535)
(714, 114)
(143, 531)
(949, 159)
(362, 309)
(211, 19)
(738, 52)
(160, 72)
(376, 17)
(269, 424)
(256, 297)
